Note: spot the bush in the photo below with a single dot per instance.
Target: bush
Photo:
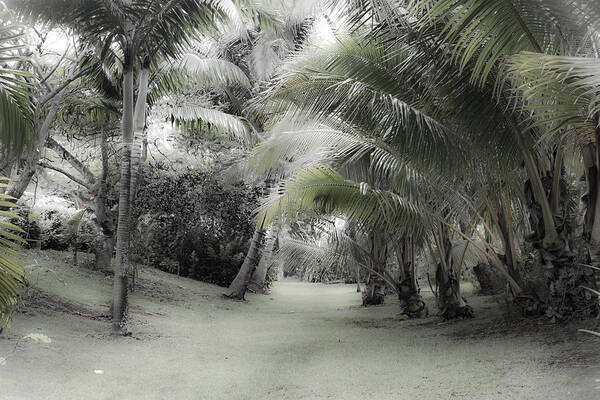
(191, 224)
(57, 229)
(27, 221)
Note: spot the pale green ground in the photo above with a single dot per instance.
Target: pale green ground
(303, 341)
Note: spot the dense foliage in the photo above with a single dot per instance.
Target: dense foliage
(192, 224)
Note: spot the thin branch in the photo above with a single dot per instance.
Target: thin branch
(65, 173)
(71, 159)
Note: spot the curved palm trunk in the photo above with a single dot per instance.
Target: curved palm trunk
(119, 305)
(257, 282)
(237, 288)
(557, 288)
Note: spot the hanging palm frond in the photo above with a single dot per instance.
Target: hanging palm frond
(188, 112)
(15, 103)
(324, 190)
(214, 72)
(12, 277)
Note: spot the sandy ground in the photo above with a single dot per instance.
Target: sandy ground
(304, 341)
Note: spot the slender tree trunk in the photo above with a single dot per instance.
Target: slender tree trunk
(237, 288)
(120, 286)
(136, 151)
(257, 282)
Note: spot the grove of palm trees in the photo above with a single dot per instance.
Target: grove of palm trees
(300, 199)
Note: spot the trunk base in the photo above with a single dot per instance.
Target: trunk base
(374, 294)
(456, 311)
(233, 295)
(415, 307)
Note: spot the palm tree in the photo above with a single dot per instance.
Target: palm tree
(140, 33)
(451, 77)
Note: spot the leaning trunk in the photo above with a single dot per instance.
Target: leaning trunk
(374, 291)
(122, 249)
(257, 282)
(237, 289)
(29, 166)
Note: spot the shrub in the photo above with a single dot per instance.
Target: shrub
(191, 224)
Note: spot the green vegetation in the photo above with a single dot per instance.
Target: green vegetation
(428, 153)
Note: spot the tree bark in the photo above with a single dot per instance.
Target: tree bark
(257, 282)
(237, 288)
(408, 290)
(104, 216)
(120, 284)
(490, 281)
(139, 131)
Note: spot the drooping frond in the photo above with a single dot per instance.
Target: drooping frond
(189, 112)
(559, 92)
(214, 72)
(12, 276)
(325, 191)
(358, 85)
(15, 104)
(315, 144)
(484, 31)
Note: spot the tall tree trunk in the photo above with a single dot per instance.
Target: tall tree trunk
(139, 131)
(119, 304)
(237, 288)
(257, 282)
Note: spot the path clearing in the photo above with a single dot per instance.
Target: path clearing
(303, 341)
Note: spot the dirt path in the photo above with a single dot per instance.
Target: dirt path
(301, 342)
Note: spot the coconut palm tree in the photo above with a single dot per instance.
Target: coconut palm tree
(450, 77)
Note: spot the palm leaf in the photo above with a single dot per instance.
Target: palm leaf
(12, 277)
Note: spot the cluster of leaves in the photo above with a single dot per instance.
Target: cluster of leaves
(56, 229)
(191, 224)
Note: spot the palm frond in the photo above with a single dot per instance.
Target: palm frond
(323, 190)
(12, 277)
(15, 102)
(189, 112)
(214, 72)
